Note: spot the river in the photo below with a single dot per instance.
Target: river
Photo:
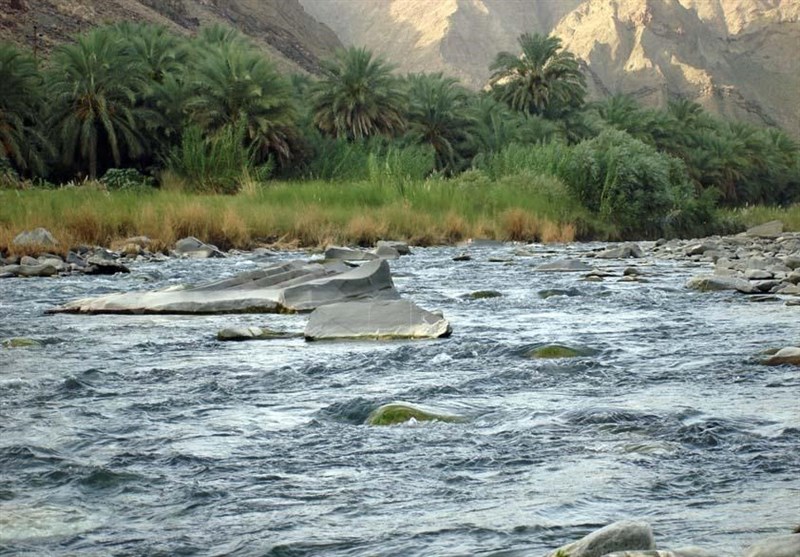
(143, 435)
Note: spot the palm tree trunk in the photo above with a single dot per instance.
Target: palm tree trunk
(93, 158)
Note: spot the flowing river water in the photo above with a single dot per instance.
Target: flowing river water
(143, 435)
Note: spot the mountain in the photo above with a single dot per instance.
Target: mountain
(294, 39)
(737, 58)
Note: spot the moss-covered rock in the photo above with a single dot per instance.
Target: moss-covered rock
(483, 294)
(21, 343)
(401, 412)
(552, 351)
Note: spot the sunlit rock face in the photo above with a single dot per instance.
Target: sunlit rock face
(730, 56)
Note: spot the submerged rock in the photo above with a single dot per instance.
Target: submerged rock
(380, 319)
(550, 292)
(252, 333)
(553, 351)
(290, 286)
(402, 412)
(778, 546)
(21, 342)
(564, 266)
(483, 294)
(617, 537)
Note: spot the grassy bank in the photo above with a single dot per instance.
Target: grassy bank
(308, 213)
(752, 216)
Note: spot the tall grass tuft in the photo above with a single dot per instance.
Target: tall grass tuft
(219, 163)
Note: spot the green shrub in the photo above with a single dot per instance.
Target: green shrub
(626, 182)
(126, 178)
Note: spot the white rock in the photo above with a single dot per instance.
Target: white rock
(620, 536)
(778, 546)
(390, 319)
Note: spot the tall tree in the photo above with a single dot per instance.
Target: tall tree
(358, 97)
(544, 79)
(438, 115)
(21, 138)
(234, 84)
(93, 86)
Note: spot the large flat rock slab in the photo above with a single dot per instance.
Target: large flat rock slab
(380, 319)
(284, 287)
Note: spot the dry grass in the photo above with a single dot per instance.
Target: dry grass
(289, 215)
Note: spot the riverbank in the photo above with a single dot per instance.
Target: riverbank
(308, 214)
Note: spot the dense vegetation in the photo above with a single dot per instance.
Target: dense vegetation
(135, 106)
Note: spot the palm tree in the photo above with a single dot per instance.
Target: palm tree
(438, 115)
(543, 79)
(93, 86)
(21, 139)
(358, 97)
(494, 125)
(233, 84)
(159, 52)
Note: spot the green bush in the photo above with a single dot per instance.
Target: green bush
(125, 178)
(627, 182)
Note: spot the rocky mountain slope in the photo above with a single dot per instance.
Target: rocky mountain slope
(293, 38)
(735, 57)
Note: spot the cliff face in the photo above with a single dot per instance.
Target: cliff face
(458, 37)
(735, 57)
(738, 58)
(293, 38)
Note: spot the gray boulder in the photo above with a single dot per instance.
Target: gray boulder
(789, 290)
(400, 247)
(620, 536)
(620, 252)
(771, 229)
(348, 254)
(757, 274)
(290, 286)
(778, 546)
(38, 237)
(386, 252)
(102, 264)
(564, 266)
(380, 319)
(195, 249)
(28, 271)
(252, 333)
(684, 552)
(788, 355)
(710, 283)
